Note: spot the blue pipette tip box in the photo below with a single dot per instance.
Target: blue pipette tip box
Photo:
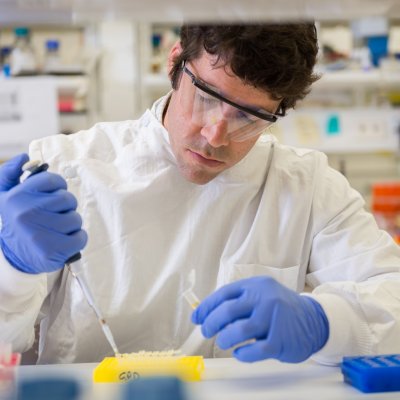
(53, 388)
(155, 387)
(370, 374)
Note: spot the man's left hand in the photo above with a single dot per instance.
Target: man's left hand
(278, 322)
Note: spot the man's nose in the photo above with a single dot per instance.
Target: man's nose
(217, 133)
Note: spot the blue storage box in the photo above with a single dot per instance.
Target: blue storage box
(369, 374)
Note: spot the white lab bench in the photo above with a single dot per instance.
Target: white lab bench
(229, 379)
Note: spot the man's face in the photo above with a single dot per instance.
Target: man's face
(203, 152)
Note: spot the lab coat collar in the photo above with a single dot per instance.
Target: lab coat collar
(159, 105)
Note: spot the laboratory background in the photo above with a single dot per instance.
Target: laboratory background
(63, 70)
(65, 65)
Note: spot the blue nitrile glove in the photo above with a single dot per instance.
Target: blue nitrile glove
(283, 324)
(39, 227)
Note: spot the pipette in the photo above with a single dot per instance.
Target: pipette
(74, 264)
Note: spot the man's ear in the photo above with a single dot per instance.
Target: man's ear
(175, 51)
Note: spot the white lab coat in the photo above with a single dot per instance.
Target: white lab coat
(283, 213)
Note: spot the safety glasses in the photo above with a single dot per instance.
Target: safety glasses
(207, 108)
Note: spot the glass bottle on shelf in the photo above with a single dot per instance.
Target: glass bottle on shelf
(5, 68)
(23, 60)
(52, 62)
(156, 59)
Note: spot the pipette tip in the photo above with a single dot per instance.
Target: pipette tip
(109, 336)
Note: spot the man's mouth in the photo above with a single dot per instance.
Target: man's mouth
(202, 159)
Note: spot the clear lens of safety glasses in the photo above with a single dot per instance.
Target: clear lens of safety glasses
(206, 111)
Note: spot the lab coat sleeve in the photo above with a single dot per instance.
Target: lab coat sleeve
(21, 298)
(354, 269)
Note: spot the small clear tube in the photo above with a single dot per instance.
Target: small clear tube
(188, 294)
(191, 298)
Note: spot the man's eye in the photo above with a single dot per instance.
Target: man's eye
(248, 118)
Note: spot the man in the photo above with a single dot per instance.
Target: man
(192, 185)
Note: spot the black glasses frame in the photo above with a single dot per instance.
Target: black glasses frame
(265, 115)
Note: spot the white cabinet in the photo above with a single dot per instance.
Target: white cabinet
(77, 102)
(28, 111)
(76, 74)
(346, 112)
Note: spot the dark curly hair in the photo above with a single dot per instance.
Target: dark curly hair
(277, 58)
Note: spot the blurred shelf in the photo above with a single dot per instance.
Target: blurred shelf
(347, 78)
(67, 83)
(74, 122)
(73, 113)
(352, 130)
(328, 78)
(72, 83)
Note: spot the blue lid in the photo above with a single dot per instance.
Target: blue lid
(49, 388)
(52, 44)
(7, 70)
(21, 31)
(5, 51)
(156, 40)
(158, 387)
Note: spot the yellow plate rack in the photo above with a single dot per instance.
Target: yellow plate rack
(126, 368)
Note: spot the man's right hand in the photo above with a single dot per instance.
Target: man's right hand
(39, 226)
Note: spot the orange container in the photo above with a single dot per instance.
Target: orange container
(386, 207)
